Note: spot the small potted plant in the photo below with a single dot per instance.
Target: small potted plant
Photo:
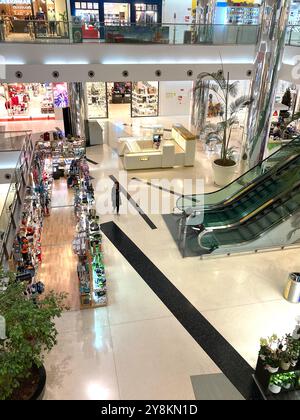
(264, 351)
(272, 363)
(294, 350)
(285, 360)
(275, 385)
(288, 380)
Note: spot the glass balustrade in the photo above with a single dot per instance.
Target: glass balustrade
(259, 174)
(173, 34)
(65, 32)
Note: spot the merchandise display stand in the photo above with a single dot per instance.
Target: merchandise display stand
(27, 249)
(87, 244)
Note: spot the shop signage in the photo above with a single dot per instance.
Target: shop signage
(15, 1)
(2, 328)
(22, 7)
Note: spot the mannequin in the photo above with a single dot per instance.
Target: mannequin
(52, 21)
(40, 14)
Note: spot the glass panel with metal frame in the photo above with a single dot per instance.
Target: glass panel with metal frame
(254, 227)
(248, 181)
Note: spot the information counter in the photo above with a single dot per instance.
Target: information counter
(144, 153)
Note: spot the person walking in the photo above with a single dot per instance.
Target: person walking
(2, 26)
(115, 197)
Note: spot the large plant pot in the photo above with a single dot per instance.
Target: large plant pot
(39, 389)
(223, 175)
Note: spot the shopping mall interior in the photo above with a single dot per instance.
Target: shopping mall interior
(149, 200)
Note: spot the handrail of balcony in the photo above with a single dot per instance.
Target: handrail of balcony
(52, 32)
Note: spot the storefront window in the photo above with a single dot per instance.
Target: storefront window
(96, 99)
(31, 100)
(235, 13)
(145, 99)
(146, 13)
(60, 95)
(294, 18)
(116, 14)
(88, 12)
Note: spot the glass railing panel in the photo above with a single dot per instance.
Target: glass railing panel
(41, 31)
(215, 198)
(14, 140)
(293, 35)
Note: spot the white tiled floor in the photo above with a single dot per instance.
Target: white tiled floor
(135, 348)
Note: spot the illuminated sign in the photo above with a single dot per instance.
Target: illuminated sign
(15, 1)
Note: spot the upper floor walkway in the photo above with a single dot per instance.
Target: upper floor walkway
(64, 32)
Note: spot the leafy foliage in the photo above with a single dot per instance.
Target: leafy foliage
(30, 331)
(224, 90)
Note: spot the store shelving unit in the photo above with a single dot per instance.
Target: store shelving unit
(87, 244)
(96, 98)
(145, 101)
(243, 15)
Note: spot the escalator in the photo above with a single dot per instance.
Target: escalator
(258, 210)
(247, 181)
(275, 224)
(277, 181)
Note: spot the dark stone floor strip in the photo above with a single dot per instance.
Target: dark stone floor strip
(157, 186)
(135, 205)
(92, 161)
(229, 361)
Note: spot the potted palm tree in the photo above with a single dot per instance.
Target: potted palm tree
(226, 91)
(27, 332)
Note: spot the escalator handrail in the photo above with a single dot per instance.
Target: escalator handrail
(211, 230)
(250, 186)
(237, 179)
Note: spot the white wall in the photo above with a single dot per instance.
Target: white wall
(182, 8)
(175, 98)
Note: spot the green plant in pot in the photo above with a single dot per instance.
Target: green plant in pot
(288, 380)
(285, 360)
(272, 362)
(264, 351)
(269, 353)
(293, 346)
(275, 385)
(230, 106)
(29, 333)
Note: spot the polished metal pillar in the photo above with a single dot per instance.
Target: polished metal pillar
(77, 109)
(271, 43)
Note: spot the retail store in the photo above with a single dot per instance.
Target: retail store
(122, 99)
(294, 18)
(32, 101)
(115, 13)
(237, 13)
(51, 16)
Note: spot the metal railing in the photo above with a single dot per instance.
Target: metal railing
(36, 31)
(66, 32)
(293, 35)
